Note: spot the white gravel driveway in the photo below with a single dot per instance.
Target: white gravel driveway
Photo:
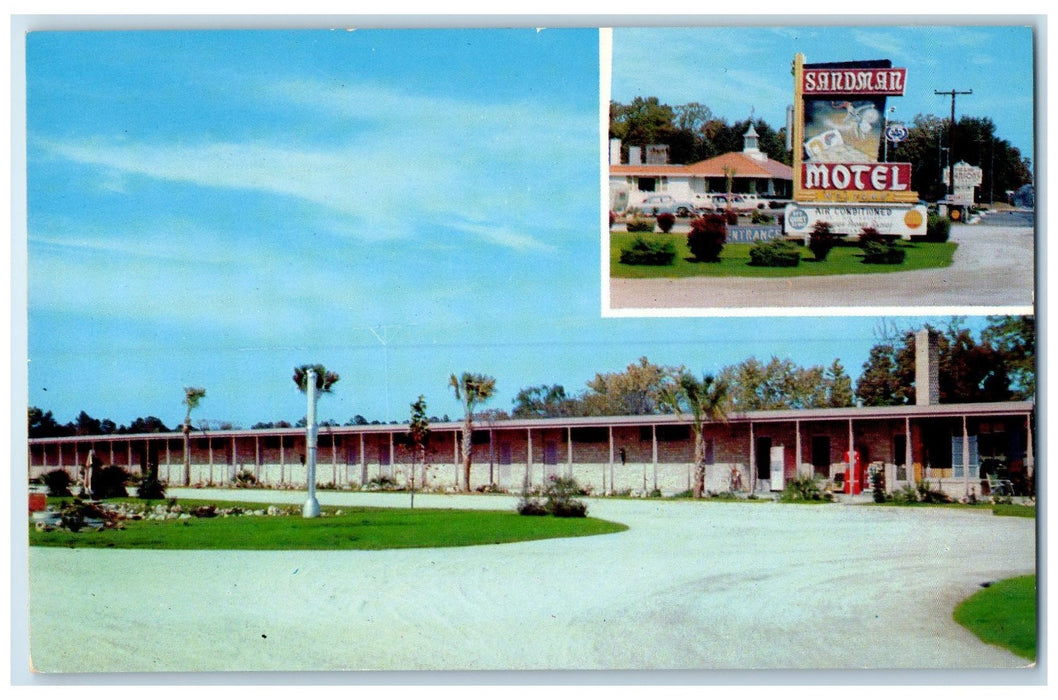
(689, 586)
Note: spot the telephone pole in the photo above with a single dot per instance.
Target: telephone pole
(951, 134)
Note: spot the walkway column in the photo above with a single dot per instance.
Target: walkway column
(1030, 459)
(455, 454)
(569, 452)
(965, 457)
(363, 462)
(752, 460)
(529, 457)
(909, 455)
(611, 465)
(797, 443)
(654, 455)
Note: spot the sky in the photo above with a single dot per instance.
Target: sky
(212, 209)
(705, 64)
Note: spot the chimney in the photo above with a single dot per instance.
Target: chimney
(927, 368)
(615, 151)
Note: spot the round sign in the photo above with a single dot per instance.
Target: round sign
(798, 218)
(895, 132)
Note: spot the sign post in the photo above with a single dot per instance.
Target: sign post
(311, 509)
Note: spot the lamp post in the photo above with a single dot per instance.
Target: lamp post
(311, 509)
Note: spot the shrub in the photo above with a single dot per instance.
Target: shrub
(58, 482)
(926, 494)
(645, 252)
(883, 253)
(822, 240)
(666, 221)
(613, 217)
(109, 482)
(870, 235)
(804, 487)
(938, 228)
(707, 237)
(150, 488)
(560, 501)
(731, 217)
(531, 506)
(640, 224)
(905, 494)
(777, 253)
(245, 479)
(878, 486)
(759, 217)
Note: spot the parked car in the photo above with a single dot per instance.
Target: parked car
(664, 204)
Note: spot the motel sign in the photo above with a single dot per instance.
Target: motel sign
(838, 132)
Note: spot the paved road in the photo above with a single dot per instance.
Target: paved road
(993, 268)
(689, 586)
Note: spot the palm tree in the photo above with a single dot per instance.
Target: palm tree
(704, 400)
(471, 389)
(192, 397)
(312, 380)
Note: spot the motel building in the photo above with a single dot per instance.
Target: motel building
(951, 446)
(650, 173)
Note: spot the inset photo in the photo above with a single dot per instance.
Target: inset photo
(837, 169)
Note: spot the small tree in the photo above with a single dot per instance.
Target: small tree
(470, 390)
(419, 437)
(822, 240)
(192, 397)
(666, 221)
(707, 237)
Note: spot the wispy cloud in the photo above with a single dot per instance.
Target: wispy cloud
(404, 158)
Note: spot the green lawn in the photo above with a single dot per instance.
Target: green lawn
(1003, 614)
(355, 528)
(846, 259)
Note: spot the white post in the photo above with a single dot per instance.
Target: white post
(311, 509)
(965, 458)
(1030, 458)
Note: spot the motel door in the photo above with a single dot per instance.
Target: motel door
(777, 466)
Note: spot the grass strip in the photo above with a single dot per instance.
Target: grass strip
(1004, 614)
(734, 260)
(354, 528)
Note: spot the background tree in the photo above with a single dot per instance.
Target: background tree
(471, 390)
(637, 391)
(42, 424)
(544, 401)
(975, 142)
(192, 398)
(419, 438)
(970, 370)
(704, 400)
(783, 384)
(1014, 338)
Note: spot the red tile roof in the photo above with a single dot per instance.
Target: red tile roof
(743, 166)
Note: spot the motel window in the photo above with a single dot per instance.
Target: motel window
(710, 451)
(505, 453)
(383, 454)
(646, 184)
